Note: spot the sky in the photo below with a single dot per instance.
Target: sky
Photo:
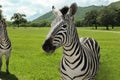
(36, 8)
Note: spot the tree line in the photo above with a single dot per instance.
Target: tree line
(107, 16)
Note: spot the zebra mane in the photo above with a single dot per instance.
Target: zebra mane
(64, 10)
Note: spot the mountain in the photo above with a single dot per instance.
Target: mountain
(116, 4)
(80, 14)
(47, 16)
(30, 18)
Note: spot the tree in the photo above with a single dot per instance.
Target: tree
(117, 16)
(108, 17)
(113, 16)
(91, 18)
(18, 18)
(104, 17)
(44, 23)
(77, 23)
(0, 13)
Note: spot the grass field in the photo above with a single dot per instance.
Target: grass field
(29, 62)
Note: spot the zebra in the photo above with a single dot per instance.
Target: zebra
(81, 57)
(5, 45)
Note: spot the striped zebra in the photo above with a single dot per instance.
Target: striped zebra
(5, 45)
(80, 59)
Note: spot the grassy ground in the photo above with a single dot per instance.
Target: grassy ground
(29, 62)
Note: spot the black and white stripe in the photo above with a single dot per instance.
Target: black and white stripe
(5, 44)
(80, 60)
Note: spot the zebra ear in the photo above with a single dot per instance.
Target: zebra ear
(72, 9)
(64, 10)
(56, 12)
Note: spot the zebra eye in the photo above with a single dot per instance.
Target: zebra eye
(64, 26)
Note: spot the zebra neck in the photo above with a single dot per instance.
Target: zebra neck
(72, 49)
(5, 44)
(4, 41)
(74, 45)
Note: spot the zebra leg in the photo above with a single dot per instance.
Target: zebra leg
(7, 63)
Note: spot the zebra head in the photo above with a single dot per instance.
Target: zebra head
(61, 27)
(2, 27)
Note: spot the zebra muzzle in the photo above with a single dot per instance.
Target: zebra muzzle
(48, 47)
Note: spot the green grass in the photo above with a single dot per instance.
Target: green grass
(29, 62)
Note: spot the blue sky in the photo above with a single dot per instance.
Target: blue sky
(36, 8)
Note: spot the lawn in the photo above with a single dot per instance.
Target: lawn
(29, 62)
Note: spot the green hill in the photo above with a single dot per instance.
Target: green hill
(83, 10)
(79, 15)
(116, 4)
(47, 16)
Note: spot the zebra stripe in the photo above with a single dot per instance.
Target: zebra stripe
(5, 43)
(83, 57)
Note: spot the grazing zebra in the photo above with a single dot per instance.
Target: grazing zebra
(80, 60)
(5, 45)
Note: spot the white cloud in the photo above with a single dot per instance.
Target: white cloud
(26, 10)
(47, 3)
(39, 7)
(110, 1)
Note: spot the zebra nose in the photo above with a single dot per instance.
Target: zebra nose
(48, 47)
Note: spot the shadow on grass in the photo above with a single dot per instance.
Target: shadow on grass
(4, 76)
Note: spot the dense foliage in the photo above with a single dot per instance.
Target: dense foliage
(106, 16)
(18, 19)
(43, 23)
(0, 13)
